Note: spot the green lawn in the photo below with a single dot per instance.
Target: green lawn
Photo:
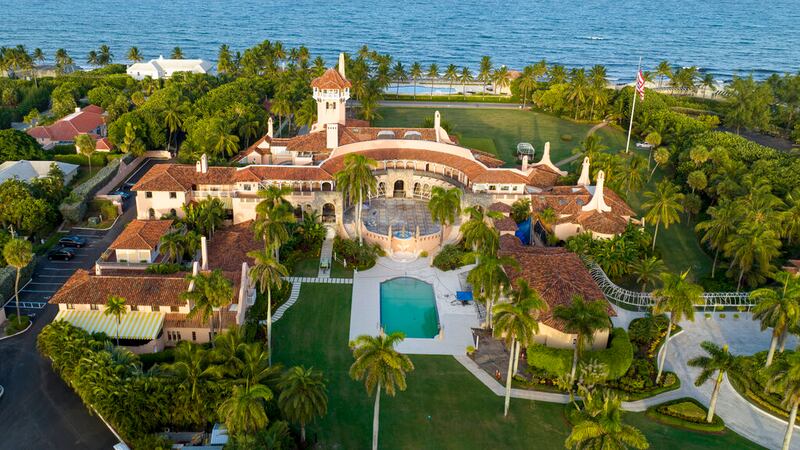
(339, 271)
(499, 130)
(306, 267)
(444, 407)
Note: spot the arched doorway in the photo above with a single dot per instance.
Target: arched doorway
(399, 188)
(151, 213)
(329, 212)
(298, 212)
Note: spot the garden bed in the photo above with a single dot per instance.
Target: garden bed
(11, 327)
(750, 383)
(685, 413)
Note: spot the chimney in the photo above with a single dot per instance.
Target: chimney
(546, 155)
(270, 128)
(524, 163)
(584, 178)
(202, 165)
(195, 271)
(341, 65)
(597, 202)
(77, 109)
(437, 120)
(332, 130)
(244, 288)
(204, 252)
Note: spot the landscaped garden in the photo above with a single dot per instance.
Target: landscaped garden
(444, 405)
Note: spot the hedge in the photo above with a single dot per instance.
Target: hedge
(617, 357)
(98, 159)
(661, 413)
(73, 208)
(8, 276)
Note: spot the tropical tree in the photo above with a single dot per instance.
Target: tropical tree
(778, 309)
(591, 147)
(115, 306)
(516, 322)
(357, 181)
(131, 143)
(444, 206)
(225, 64)
(451, 75)
(663, 206)
(583, 319)
(104, 55)
(489, 279)
(302, 397)
(661, 157)
(501, 78)
(602, 427)
(578, 90)
(433, 74)
(791, 216)
(415, 73)
(134, 55)
(632, 173)
(209, 292)
(379, 365)
(647, 271)
(785, 380)
(719, 360)
(267, 272)
(244, 411)
(18, 253)
(464, 77)
(172, 246)
(721, 225)
(177, 53)
(91, 58)
(664, 70)
(752, 249)
(678, 297)
(527, 82)
(63, 60)
(86, 146)
(478, 234)
(174, 112)
(399, 75)
(485, 73)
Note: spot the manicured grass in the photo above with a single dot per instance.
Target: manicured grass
(500, 130)
(423, 95)
(339, 271)
(444, 407)
(306, 267)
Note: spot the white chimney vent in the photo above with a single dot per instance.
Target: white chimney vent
(584, 178)
(597, 202)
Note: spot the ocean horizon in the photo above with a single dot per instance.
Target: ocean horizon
(724, 37)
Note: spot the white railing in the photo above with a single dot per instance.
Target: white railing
(644, 300)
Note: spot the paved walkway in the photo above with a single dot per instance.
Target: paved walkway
(591, 131)
(326, 254)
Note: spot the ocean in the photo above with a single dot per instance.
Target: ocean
(723, 37)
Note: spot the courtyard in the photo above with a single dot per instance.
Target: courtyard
(401, 214)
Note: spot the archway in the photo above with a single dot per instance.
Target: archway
(151, 213)
(328, 212)
(399, 188)
(298, 212)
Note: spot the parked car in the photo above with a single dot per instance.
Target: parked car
(61, 253)
(73, 241)
(127, 186)
(124, 194)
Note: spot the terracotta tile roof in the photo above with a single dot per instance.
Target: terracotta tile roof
(471, 168)
(227, 250)
(555, 272)
(543, 177)
(605, 223)
(500, 176)
(182, 177)
(500, 207)
(294, 173)
(65, 129)
(142, 289)
(356, 123)
(331, 79)
(103, 144)
(563, 199)
(505, 224)
(141, 235)
(488, 159)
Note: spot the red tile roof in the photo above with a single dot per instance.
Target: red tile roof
(469, 167)
(500, 207)
(103, 144)
(142, 289)
(228, 248)
(331, 79)
(65, 129)
(293, 173)
(506, 176)
(599, 222)
(505, 224)
(182, 177)
(141, 235)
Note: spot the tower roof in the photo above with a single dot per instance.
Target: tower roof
(331, 79)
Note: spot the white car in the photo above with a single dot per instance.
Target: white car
(643, 145)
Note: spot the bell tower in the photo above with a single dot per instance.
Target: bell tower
(331, 92)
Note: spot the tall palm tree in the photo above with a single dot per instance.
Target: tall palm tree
(177, 53)
(721, 225)
(778, 309)
(633, 173)
(379, 365)
(63, 60)
(174, 112)
(785, 380)
(752, 249)
(210, 292)
(92, 58)
(501, 78)
(415, 73)
(86, 145)
(444, 206)
(678, 297)
(192, 366)
(303, 397)
(489, 279)
(451, 75)
(583, 319)
(282, 108)
(516, 322)
(464, 77)
(791, 216)
(719, 360)
(485, 73)
(647, 271)
(602, 428)
(433, 74)
(664, 70)
(18, 254)
(267, 272)
(115, 306)
(478, 234)
(527, 82)
(663, 206)
(172, 245)
(399, 75)
(223, 142)
(225, 64)
(271, 225)
(104, 55)
(357, 181)
(244, 411)
(134, 55)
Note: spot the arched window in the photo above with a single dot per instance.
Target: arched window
(151, 213)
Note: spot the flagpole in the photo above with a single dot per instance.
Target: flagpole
(633, 106)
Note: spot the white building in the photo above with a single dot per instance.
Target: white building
(30, 170)
(164, 68)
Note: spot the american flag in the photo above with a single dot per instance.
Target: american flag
(640, 84)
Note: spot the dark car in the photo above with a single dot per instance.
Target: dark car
(124, 194)
(61, 253)
(73, 241)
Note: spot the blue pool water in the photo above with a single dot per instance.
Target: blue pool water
(409, 305)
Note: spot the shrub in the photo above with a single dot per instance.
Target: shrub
(163, 268)
(150, 359)
(105, 207)
(452, 257)
(73, 208)
(685, 413)
(617, 357)
(423, 254)
(470, 350)
(566, 137)
(14, 326)
(8, 277)
(16, 145)
(361, 257)
(555, 361)
(98, 159)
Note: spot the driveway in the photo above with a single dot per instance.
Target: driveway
(38, 410)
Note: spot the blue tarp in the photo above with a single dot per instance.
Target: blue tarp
(524, 232)
(464, 296)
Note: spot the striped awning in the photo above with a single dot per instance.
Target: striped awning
(134, 324)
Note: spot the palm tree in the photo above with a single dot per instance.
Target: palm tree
(210, 292)
(356, 181)
(92, 58)
(267, 272)
(647, 271)
(583, 319)
(172, 245)
(663, 70)
(244, 411)
(633, 173)
(489, 279)
(501, 78)
(451, 75)
(18, 254)
(708, 82)
(778, 309)
(578, 89)
(38, 55)
(663, 206)
(399, 74)
(303, 397)
(104, 55)
(602, 428)
(223, 142)
(465, 77)
(478, 234)
(591, 147)
(134, 55)
(485, 73)
(379, 365)
(516, 321)
(63, 60)
(415, 73)
(173, 119)
(433, 74)
(225, 64)
(718, 360)
(723, 222)
(86, 145)
(752, 250)
(271, 225)
(661, 157)
(115, 306)
(177, 53)
(678, 297)
(527, 82)
(791, 216)
(444, 206)
(282, 108)
(785, 380)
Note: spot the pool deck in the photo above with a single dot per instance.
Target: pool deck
(457, 321)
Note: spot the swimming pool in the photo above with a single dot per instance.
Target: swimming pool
(409, 305)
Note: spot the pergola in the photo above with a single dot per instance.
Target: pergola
(525, 149)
